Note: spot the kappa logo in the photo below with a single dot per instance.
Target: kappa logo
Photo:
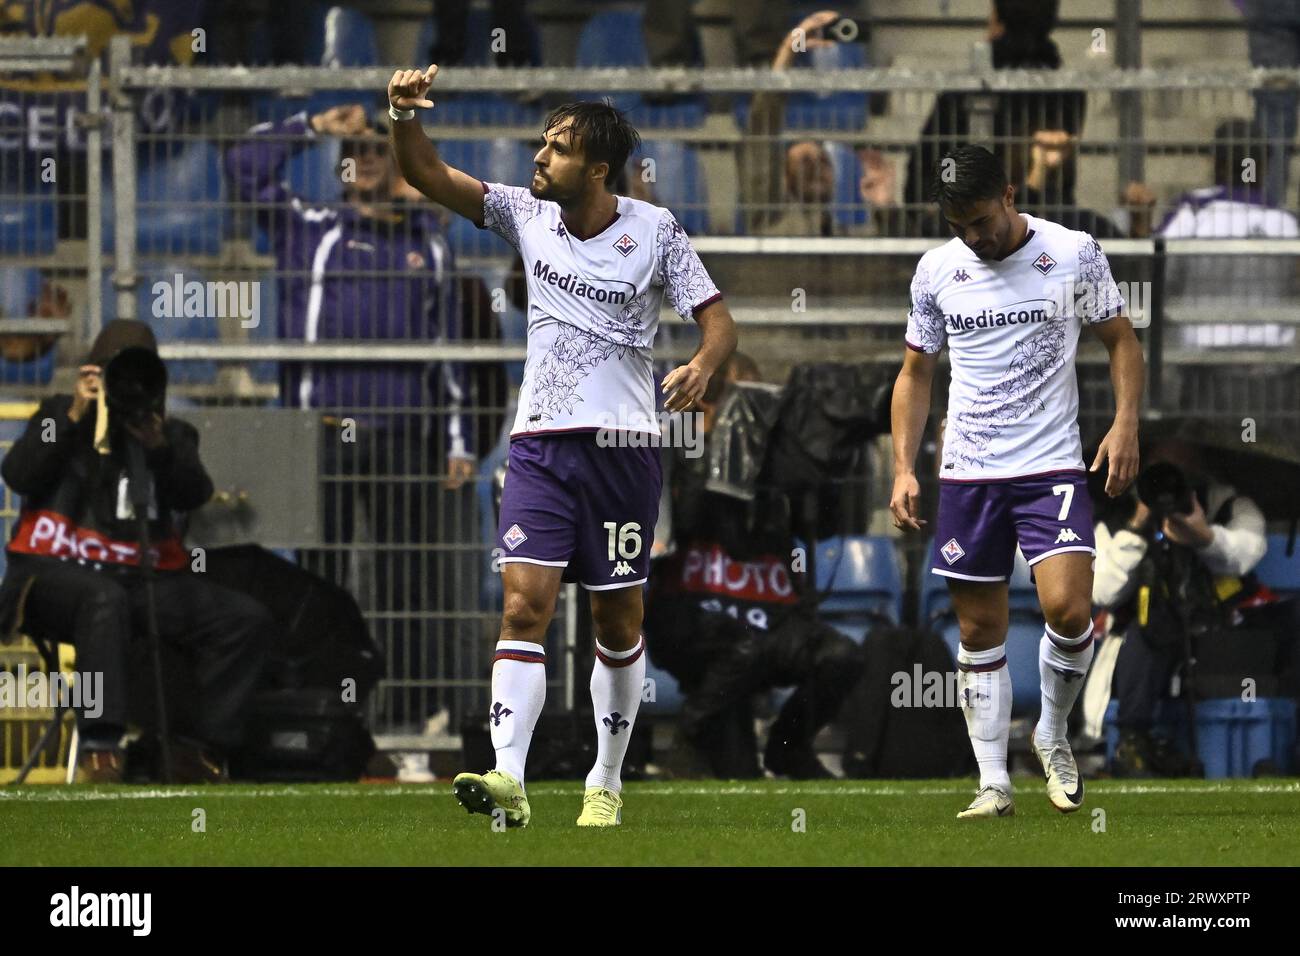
(961, 275)
(621, 569)
(625, 245)
(1067, 535)
(514, 537)
(952, 552)
(1044, 263)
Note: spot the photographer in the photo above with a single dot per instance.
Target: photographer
(74, 571)
(724, 618)
(1215, 537)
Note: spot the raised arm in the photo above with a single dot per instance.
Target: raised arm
(417, 156)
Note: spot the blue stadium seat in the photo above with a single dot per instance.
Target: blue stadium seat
(498, 160)
(347, 38)
(668, 696)
(614, 38)
(28, 222)
(1023, 635)
(837, 111)
(180, 202)
(678, 183)
(809, 112)
(266, 331)
(19, 288)
(1022, 594)
(849, 208)
(865, 582)
(1280, 572)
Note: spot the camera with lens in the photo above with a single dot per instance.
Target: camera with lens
(1165, 490)
(135, 386)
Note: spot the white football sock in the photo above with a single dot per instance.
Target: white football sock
(985, 688)
(616, 682)
(1062, 664)
(518, 692)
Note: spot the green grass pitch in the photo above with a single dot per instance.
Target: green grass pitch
(1151, 823)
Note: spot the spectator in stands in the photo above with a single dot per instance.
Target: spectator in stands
(1235, 207)
(724, 619)
(375, 268)
(1226, 532)
(1273, 35)
(451, 43)
(73, 572)
(790, 191)
(671, 38)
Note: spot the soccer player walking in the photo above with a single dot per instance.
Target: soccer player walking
(1010, 295)
(575, 507)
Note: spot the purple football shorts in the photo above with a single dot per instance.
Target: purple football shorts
(980, 523)
(570, 503)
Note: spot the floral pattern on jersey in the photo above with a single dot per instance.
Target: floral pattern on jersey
(686, 281)
(1095, 275)
(925, 321)
(507, 209)
(571, 358)
(1011, 399)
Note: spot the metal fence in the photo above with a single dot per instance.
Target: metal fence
(806, 208)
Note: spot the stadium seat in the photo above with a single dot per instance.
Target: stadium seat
(1280, 572)
(28, 223)
(829, 111)
(810, 112)
(266, 332)
(499, 160)
(678, 183)
(347, 39)
(667, 697)
(864, 579)
(1023, 635)
(613, 38)
(180, 203)
(849, 208)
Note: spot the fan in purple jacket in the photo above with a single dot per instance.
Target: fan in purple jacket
(372, 268)
(368, 268)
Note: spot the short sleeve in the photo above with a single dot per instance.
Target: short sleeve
(1099, 297)
(686, 282)
(925, 331)
(507, 209)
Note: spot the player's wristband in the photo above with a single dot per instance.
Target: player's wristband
(398, 116)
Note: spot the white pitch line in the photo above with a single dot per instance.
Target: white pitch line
(438, 791)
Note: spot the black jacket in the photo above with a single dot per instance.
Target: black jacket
(70, 497)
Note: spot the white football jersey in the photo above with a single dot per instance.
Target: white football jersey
(1012, 329)
(593, 308)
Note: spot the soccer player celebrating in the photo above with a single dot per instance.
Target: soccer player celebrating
(1010, 295)
(575, 506)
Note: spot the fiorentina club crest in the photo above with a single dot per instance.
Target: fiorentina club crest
(1044, 263)
(514, 537)
(952, 551)
(625, 244)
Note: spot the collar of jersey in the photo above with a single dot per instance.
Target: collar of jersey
(603, 229)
